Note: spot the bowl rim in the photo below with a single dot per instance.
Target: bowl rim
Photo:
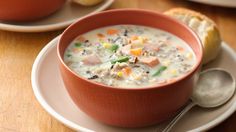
(194, 69)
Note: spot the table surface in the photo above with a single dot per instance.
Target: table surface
(19, 109)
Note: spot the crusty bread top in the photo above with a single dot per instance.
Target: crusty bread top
(184, 11)
(204, 27)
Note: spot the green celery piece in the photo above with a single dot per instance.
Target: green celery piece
(77, 44)
(68, 55)
(120, 59)
(159, 71)
(114, 47)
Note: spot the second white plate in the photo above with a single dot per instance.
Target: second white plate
(68, 14)
(223, 3)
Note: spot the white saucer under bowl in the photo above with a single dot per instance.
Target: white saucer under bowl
(52, 95)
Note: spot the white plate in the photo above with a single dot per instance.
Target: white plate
(52, 95)
(68, 14)
(224, 3)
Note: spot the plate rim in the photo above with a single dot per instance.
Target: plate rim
(215, 4)
(36, 90)
(50, 27)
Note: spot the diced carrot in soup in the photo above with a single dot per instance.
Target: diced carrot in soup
(112, 31)
(171, 80)
(126, 70)
(134, 38)
(180, 48)
(100, 35)
(136, 51)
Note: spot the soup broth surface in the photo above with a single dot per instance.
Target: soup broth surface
(129, 56)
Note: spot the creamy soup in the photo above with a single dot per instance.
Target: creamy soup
(129, 56)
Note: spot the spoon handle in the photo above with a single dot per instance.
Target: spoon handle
(178, 117)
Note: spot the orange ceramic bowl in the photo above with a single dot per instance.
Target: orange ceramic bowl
(134, 107)
(27, 10)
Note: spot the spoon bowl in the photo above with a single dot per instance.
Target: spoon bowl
(214, 88)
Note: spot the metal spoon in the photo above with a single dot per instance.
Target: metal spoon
(214, 88)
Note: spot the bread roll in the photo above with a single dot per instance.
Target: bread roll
(204, 27)
(87, 2)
